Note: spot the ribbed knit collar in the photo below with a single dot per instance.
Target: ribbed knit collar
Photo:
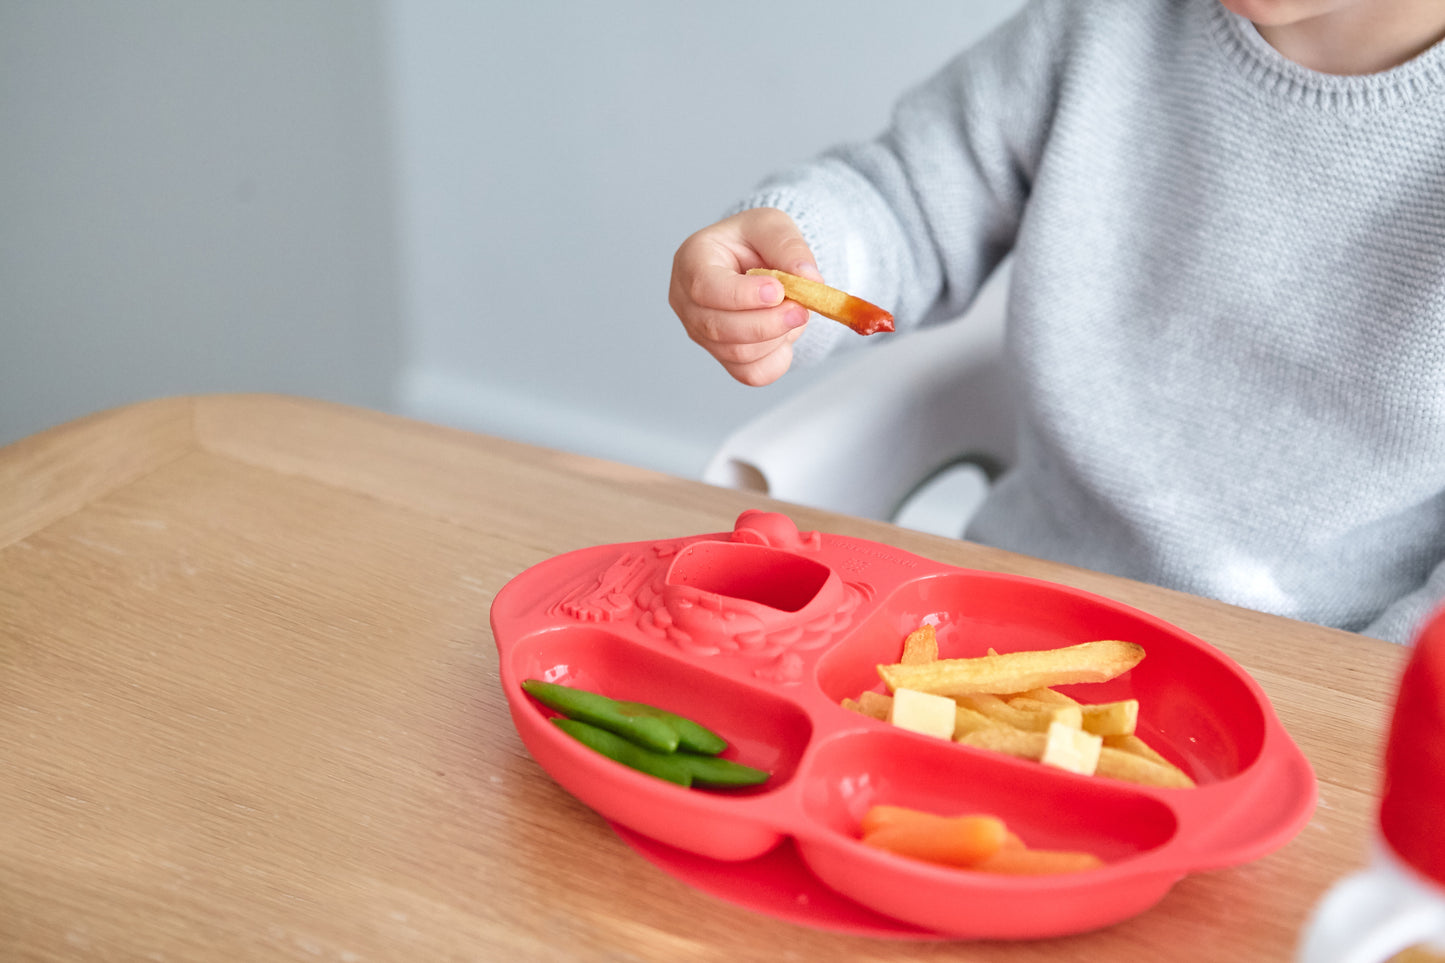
(1261, 64)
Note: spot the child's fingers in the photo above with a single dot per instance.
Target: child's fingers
(716, 330)
(749, 352)
(778, 242)
(721, 287)
(767, 368)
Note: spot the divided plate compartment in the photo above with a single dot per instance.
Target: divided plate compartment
(759, 634)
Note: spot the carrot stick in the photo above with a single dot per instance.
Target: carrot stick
(952, 841)
(1037, 862)
(879, 816)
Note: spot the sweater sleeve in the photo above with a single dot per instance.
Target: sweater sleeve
(916, 219)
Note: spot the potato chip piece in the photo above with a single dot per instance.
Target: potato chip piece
(920, 646)
(1017, 671)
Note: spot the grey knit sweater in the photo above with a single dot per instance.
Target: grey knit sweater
(1227, 315)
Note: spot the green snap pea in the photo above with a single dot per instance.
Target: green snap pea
(691, 736)
(712, 771)
(623, 718)
(644, 724)
(662, 765)
(646, 738)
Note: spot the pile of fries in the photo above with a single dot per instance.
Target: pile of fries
(1007, 703)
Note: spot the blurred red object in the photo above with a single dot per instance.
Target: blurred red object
(1412, 810)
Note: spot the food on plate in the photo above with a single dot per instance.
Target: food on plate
(1038, 862)
(1011, 672)
(874, 705)
(716, 772)
(1006, 703)
(683, 768)
(611, 727)
(663, 765)
(1034, 718)
(645, 725)
(644, 728)
(1136, 761)
(1100, 718)
(932, 715)
(951, 840)
(979, 842)
(860, 315)
(920, 645)
(1069, 747)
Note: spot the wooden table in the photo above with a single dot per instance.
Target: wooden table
(249, 708)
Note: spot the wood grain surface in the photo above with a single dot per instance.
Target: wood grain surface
(249, 708)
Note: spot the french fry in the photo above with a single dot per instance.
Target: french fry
(876, 705)
(1131, 743)
(966, 720)
(1017, 671)
(1006, 703)
(1043, 694)
(1100, 718)
(831, 303)
(1111, 718)
(1118, 764)
(1007, 740)
(1132, 759)
(1035, 718)
(920, 646)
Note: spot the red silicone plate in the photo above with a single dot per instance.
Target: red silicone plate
(760, 633)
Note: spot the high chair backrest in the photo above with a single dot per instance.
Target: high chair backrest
(881, 434)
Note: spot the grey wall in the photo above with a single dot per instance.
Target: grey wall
(461, 210)
(556, 154)
(193, 197)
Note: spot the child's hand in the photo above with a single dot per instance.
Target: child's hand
(742, 321)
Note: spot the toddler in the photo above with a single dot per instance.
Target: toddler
(1226, 323)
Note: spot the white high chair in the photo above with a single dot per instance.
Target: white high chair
(910, 431)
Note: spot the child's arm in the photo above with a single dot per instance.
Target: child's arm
(915, 219)
(742, 321)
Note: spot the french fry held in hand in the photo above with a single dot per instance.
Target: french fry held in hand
(1005, 703)
(862, 316)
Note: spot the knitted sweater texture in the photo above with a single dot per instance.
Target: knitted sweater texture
(1226, 322)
